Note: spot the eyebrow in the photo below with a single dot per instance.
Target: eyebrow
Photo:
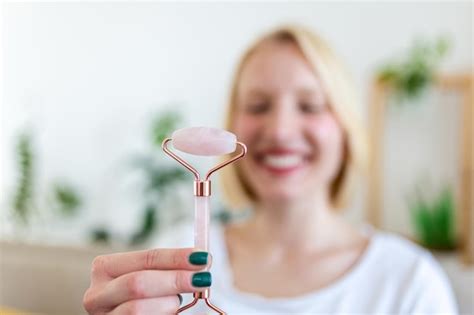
(309, 92)
(302, 92)
(254, 93)
(257, 92)
(320, 95)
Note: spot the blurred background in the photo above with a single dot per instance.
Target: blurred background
(89, 90)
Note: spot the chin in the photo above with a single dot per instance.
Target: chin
(280, 197)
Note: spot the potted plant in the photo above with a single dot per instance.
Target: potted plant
(434, 220)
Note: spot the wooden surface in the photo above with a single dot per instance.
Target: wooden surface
(378, 99)
(463, 84)
(459, 83)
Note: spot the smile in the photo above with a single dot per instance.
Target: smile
(282, 161)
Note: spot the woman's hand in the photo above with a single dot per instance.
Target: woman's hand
(145, 282)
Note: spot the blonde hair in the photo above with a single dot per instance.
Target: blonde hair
(343, 102)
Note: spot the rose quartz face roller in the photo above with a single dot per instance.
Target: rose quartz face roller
(205, 142)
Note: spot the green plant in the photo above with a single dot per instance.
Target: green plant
(147, 226)
(411, 75)
(162, 125)
(434, 220)
(66, 200)
(23, 196)
(100, 235)
(157, 178)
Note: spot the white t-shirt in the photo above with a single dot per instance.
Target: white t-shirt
(393, 276)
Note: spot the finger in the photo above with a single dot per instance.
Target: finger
(150, 284)
(163, 305)
(115, 265)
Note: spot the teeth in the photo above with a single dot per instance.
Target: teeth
(282, 161)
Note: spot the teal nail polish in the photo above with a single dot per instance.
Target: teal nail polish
(202, 279)
(198, 258)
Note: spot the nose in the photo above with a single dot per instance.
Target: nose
(282, 124)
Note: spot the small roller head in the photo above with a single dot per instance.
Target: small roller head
(204, 141)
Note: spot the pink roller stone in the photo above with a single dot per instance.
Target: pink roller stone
(204, 141)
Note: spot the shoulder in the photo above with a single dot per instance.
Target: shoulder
(399, 256)
(411, 268)
(400, 250)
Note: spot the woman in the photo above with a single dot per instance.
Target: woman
(294, 107)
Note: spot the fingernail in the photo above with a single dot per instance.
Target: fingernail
(180, 297)
(202, 279)
(198, 258)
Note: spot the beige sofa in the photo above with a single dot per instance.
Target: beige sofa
(52, 280)
(44, 279)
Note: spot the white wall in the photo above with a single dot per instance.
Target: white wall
(88, 75)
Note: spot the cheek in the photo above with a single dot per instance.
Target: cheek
(328, 136)
(245, 128)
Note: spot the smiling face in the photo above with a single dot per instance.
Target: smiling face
(282, 113)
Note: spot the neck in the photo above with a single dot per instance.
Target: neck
(307, 224)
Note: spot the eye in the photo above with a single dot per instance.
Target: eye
(258, 108)
(311, 107)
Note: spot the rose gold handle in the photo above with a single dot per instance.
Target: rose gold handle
(235, 158)
(180, 160)
(164, 145)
